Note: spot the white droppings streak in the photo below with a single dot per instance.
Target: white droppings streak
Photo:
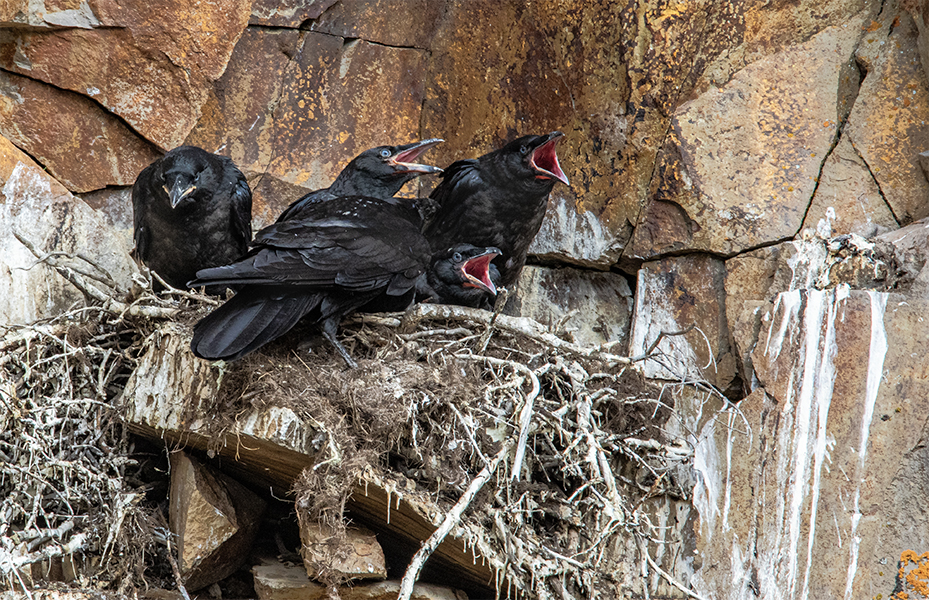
(791, 306)
(876, 354)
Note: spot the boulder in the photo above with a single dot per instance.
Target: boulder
(809, 490)
(327, 556)
(81, 145)
(214, 518)
(674, 295)
(153, 69)
(848, 200)
(589, 307)
(38, 208)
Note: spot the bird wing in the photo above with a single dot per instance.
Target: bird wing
(331, 253)
(297, 207)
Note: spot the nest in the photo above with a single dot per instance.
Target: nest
(539, 452)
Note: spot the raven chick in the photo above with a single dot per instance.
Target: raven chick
(355, 253)
(376, 173)
(191, 210)
(498, 200)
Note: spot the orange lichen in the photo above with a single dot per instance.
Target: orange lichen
(917, 580)
(873, 27)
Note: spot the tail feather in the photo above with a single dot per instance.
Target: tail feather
(249, 320)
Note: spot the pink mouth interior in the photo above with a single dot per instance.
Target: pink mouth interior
(545, 160)
(479, 268)
(408, 156)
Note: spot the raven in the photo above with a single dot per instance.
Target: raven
(497, 200)
(347, 254)
(376, 173)
(191, 210)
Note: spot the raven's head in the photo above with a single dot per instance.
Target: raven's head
(188, 174)
(533, 157)
(464, 275)
(380, 172)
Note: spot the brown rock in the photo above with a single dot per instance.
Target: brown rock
(40, 209)
(340, 99)
(357, 555)
(807, 504)
(591, 307)
(730, 196)
(287, 13)
(919, 10)
(411, 23)
(237, 120)
(673, 294)
(151, 68)
(214, 518)
(81, 145)
(847, 199)
(888, 125)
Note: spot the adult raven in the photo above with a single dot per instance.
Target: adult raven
(349, 253)
(498, 200)
(376, 173)
(191, 210)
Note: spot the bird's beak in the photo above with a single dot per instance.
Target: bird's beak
(545, 161)
(404, 160)
(476, 271)
(178, 192)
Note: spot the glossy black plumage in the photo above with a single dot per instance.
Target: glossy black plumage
(191, 210)
(348, 253)
(376, 173)
(497, 200)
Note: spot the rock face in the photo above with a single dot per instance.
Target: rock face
(359, 556)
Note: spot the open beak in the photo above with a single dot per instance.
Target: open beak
(178, 192)
(404, 161)
(545, 161)
(476, 271)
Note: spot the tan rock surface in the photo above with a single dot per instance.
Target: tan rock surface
(357, 556)
(287, 13)
(848, 200)
(888, 125)
(215, 519)
(751, 151)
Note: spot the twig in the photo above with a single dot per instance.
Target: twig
(661, 336)
(94, 293)
(525, 415)
(667, 576)
(174, 567)
(451, 519)
(520, 325)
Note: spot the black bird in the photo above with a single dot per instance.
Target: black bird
(354, 253)
(376, 173)
(191, 210)
(498, 200)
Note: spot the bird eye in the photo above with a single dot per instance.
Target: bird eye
(456, 257)
(523, 149)
(385, 152)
